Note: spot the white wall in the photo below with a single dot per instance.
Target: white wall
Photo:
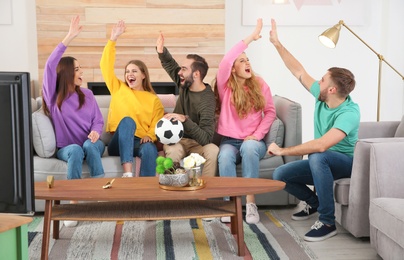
(18, 45)
(383, 31)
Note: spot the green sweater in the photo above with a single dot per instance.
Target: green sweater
(198, 106)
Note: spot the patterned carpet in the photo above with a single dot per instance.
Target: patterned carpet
(272, 238)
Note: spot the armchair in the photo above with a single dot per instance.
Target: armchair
(386, 212)
(352, 194)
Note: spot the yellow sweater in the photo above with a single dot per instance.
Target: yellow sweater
(143, 107)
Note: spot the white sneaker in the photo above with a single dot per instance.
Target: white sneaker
(70, 223)
(252, 216)
(127, 175)
(225, 219)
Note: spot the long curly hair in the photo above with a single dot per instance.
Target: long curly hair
(246, 98)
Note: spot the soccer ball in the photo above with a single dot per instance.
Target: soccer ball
(169, 131)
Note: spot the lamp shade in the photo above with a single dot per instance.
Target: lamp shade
(330, 36)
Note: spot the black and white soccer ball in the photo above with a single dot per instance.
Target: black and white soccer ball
(169, 131)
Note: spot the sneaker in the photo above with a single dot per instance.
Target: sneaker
(252, 216)
(319, 232)
(306, 213)
(70, 223)
(225, 219)
(127, 175)
(208, 219)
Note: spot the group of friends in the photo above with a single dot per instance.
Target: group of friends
(239, 107)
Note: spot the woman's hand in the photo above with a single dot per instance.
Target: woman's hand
(145, 139)
(118, 29)
(160, 43)
(256, 33)
(74, 30)
(93, 136)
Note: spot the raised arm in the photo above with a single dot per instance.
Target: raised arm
(74, 30)
(290, 61)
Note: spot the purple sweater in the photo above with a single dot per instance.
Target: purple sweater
(257, 123)
(72, 125)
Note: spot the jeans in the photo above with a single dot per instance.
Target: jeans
(125, 144)
(74, 155)
(320, 170)
(233, 151)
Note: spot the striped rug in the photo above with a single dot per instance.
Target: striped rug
(195, 239)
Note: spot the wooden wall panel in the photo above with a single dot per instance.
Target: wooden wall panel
(191, 26)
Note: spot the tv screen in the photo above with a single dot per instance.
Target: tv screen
(17, 184)
(100, 88)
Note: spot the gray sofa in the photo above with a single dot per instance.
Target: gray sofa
(386, 212)
(352, 194)
(286, 131)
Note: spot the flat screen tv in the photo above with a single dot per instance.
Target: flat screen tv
(16, 162)
(100, 88)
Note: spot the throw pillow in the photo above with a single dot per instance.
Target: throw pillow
(43, 135)
(400, 129)
(276, 134)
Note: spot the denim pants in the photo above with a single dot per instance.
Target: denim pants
(320, 170)
(74, 155)
(233, 151)
(125, 144)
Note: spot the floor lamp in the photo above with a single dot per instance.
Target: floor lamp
(330, 38)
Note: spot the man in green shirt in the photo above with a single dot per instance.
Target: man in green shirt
(330, 154)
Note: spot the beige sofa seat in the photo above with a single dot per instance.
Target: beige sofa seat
(386, 212)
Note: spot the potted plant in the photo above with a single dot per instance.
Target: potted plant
(171, 173)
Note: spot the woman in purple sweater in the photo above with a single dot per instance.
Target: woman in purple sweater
(246, 114)
(76, 117)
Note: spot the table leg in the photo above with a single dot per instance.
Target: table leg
(46, 229)
(56, 224)
(239, 227)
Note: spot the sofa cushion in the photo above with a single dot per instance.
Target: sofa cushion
(276, 134)
(43, 135)
(400, 129)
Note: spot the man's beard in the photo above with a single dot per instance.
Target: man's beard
(187, 82)
(323, 96)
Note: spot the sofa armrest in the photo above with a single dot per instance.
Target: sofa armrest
(386, 169)
(377, 129)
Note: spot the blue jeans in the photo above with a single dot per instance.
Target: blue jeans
(320, 170)
(233, 151)
(74, 155)
(125, 144)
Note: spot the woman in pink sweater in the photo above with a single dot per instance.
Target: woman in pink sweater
(247, 112)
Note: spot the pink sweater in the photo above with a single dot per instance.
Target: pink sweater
(230, 124)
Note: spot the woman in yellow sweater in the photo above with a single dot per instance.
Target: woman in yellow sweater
(134, 110)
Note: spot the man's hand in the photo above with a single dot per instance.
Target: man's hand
(118, 29)
(93, 136)
(160, 43)
(274, 149)
(273, 33)
(175, 117)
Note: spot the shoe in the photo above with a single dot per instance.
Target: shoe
(127, 175)
(306, 213)
(319, 232)
(70, 223)
(252, 216)
(225, 219)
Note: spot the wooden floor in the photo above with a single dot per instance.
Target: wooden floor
(342, 246)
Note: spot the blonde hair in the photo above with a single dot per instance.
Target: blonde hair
(246, 98)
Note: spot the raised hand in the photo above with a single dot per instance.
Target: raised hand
(273, 34)
(160, 43)
(256, 33)
(74, 30)
(118, 29)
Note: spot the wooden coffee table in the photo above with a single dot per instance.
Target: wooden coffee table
(142, 199)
